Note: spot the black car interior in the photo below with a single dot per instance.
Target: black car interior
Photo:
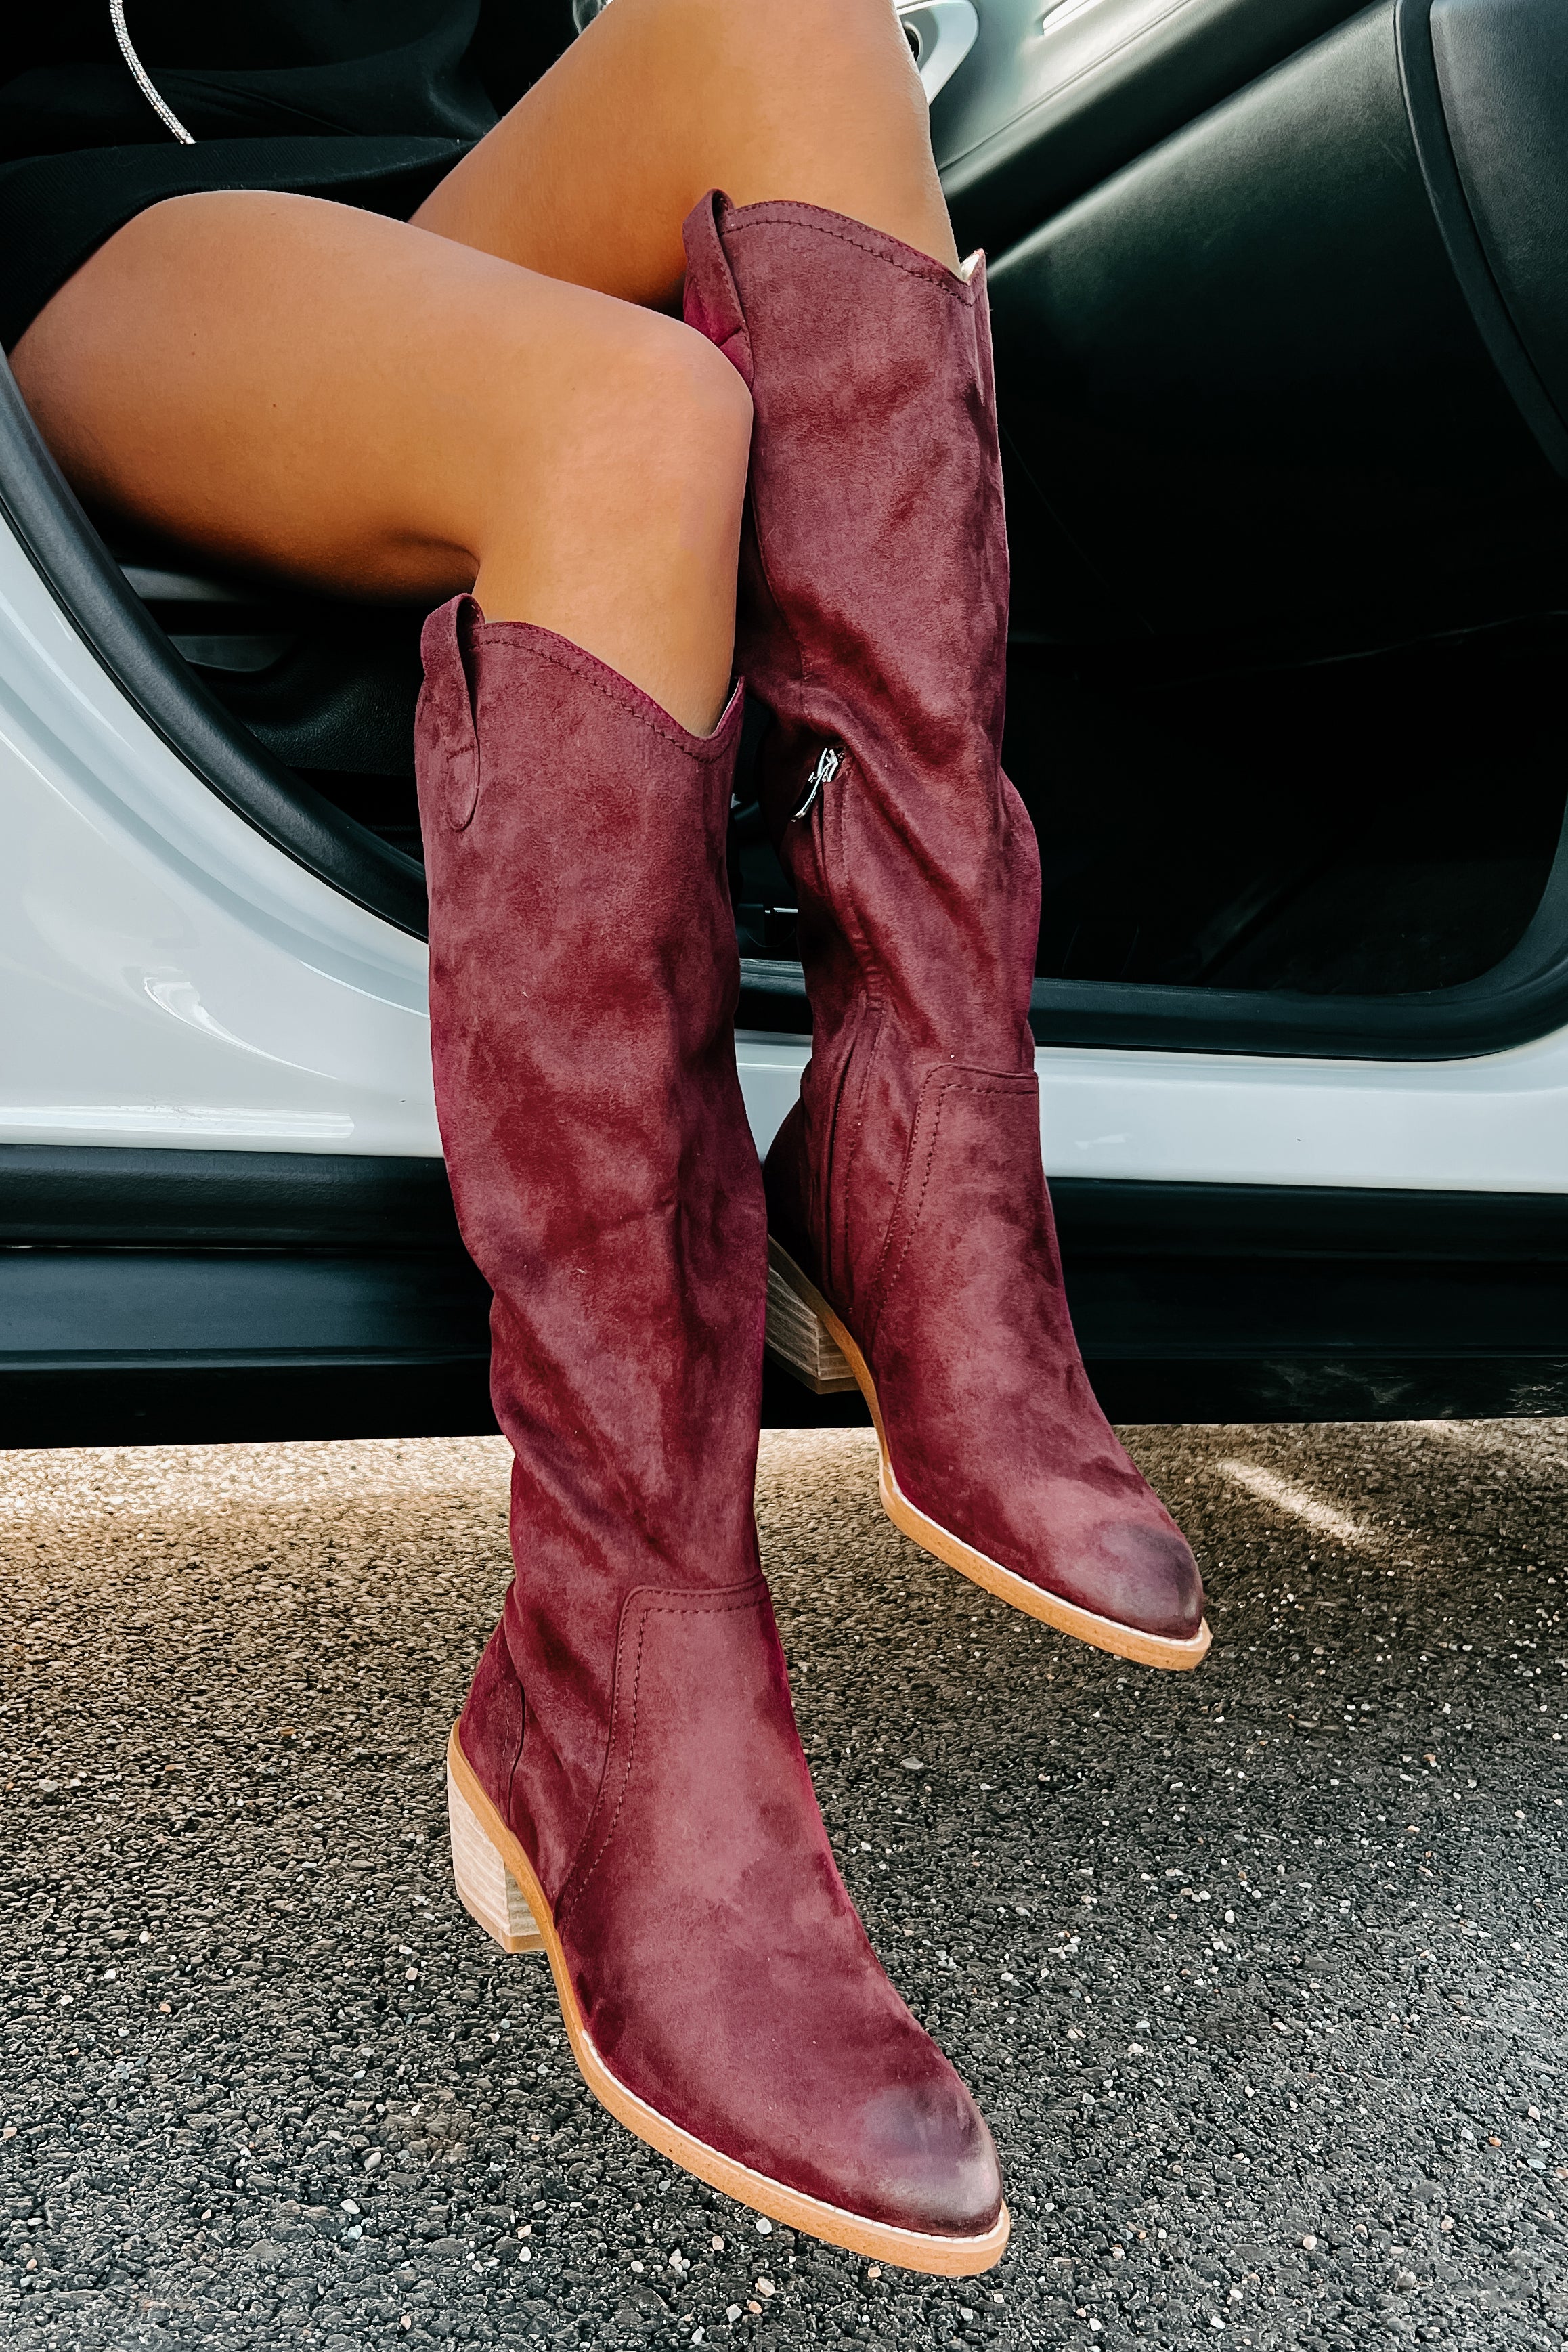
(1279, 291)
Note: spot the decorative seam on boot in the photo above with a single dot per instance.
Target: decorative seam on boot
(781, 611)
(578, 662)
(876, 243)
(943, 1082)
(883, 1285)
(445, 711)
(842, 901)
(710, 301)
(851, 1119)
(678, 1605)
(517, 1760)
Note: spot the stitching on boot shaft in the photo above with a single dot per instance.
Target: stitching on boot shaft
(682, 1605)
(923, 267)
(943, 1082)
(629, 699)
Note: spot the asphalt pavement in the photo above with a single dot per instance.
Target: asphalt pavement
(1259, 1973)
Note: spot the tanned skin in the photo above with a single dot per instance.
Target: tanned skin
(499, 394)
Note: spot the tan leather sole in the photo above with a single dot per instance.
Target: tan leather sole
(783, 1337)
(496, 1886)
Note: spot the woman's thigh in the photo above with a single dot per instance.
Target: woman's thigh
(591, 174)
(359, 404)
(336, 395)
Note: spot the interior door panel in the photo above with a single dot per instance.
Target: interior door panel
(1242, 375)
(1058, 97)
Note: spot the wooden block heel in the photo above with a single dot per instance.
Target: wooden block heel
(486, 1887)
(800, 1339)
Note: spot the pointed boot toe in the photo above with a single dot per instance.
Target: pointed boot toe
(993, 1460)
(1124, 1582)
(1145, 1576)
(718, 1989)
(930, 2147)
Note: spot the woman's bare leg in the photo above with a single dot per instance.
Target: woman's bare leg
(591, 174)
(356, 403)
(373, 409)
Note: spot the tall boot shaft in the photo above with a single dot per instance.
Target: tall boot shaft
(874, 615)
(873, 624)
(626, 1784)
(907, 1201)
(582, 983)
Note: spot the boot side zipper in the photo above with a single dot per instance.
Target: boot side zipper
(828, 763)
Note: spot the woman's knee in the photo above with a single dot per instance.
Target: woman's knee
(617, 521)
(680, 415)
(638, 418)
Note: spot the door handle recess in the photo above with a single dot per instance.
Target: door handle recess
(942, 33)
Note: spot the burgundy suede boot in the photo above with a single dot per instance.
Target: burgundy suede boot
(910, 1224)
(627, 1786)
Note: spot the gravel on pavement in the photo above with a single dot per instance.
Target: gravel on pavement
(1259, 1973)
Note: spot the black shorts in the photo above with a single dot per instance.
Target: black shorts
(56, 210)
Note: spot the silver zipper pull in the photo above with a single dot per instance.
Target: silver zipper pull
(827, 766)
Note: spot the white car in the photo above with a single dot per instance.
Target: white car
(1279, 289)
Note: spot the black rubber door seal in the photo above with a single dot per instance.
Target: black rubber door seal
(1456, 224)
